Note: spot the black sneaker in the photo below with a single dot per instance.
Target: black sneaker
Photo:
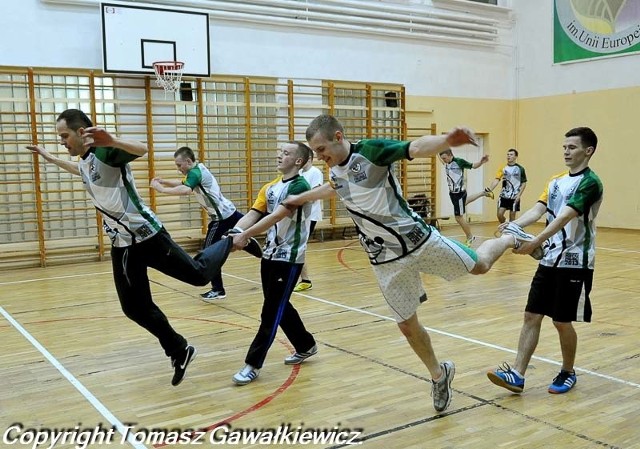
(213, 295)
(180, 364)
(563, 382)
(253, 247)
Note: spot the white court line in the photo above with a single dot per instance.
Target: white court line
(449, 334)
(75, 382)
(26, 281)
(599, 248)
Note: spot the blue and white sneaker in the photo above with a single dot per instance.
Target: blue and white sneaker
(515, 230)
(506, 377)
(563, 382)
(299, 357)
(246, 375)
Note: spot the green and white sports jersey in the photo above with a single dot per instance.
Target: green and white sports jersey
(512, 178)
(107, 176)
(286, 240)
(575, 245)
(455, 174)
(387, 226)
(208, 194)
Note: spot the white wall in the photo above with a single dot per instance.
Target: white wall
(425, 68)
(538, 76)
(46, 35)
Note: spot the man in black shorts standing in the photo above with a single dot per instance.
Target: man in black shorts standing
(514, 181)
(561, 286)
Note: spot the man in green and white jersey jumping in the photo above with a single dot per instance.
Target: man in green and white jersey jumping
(138, 239)
(400, 245)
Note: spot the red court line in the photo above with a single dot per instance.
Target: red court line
(278, 391)
(340, 257)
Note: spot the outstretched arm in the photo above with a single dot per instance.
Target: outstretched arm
(170, 187)
(532, 215)
(319, 193)
(70, 166)
(259, 227)
(483, 160)
(249, 219)
(99, 137)
(565, 216)
(493, 185)
(426, 146)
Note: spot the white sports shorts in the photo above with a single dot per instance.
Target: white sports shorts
(400, 280)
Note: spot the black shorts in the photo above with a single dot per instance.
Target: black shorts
(458, 200)
(509, 204)
(561, 294)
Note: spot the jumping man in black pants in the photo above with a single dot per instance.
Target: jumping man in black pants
(138, 238)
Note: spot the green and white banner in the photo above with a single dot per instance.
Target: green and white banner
(587, 29)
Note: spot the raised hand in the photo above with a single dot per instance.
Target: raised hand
(461, 136)
(97, 137)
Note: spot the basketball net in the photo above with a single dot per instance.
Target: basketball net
(168, 75)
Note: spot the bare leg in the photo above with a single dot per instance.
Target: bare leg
(568, 344)
(420, 342)
(500, 214)
(475, 196)
(512, 215)
(529, 336)
(490, 251)
(464, 225)
(305, 273)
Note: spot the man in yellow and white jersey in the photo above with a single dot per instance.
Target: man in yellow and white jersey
(282, 260)
(514, 181)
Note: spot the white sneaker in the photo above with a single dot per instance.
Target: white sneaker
(441, 390)
(521, 236)
(245, 375)
(299, 357)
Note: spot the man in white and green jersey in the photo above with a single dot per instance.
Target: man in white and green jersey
(282, 260)
(222, 212)
(456, 180)
(561, 286)
(400, 245)
(514, 181)
(138, 239)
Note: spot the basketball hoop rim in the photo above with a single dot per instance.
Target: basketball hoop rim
(176, 63)
(162, 66)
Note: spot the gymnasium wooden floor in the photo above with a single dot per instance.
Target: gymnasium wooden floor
(70, 358)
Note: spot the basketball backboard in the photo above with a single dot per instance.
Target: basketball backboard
(135, 36)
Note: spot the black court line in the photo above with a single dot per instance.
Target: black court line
(481, 403)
